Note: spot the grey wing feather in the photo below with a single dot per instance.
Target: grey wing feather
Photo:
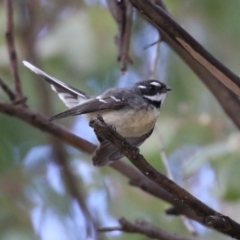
(91, 105)
(106, 152)
(69, 95)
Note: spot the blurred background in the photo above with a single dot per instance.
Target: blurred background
(74, 41)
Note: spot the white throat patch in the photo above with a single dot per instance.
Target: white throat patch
(160, 97)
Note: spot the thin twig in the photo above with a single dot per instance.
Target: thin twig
(110, 229)
(154, 65)
(163, 154)
(11, 50)
(144, 228)
(152, 44)
(7, 90)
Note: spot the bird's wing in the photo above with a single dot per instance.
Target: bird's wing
(69, 95)
(106, 152)
(103, 102)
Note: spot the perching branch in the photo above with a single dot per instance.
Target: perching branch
(144, 228)
(135, 177)
(211, 218)
(40, 122)
(12, 52)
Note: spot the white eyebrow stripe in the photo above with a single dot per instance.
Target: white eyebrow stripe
(156, 84)
(100, 99)
(141, 86)
(115, 99)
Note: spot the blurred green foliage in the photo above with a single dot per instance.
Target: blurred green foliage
(77, 46)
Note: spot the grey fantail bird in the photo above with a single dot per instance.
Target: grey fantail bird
(133, 110)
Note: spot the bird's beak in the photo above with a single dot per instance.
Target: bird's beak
(168, 89)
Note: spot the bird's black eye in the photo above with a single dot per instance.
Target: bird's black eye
(152, 88)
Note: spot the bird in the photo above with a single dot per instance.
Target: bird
(132, 111)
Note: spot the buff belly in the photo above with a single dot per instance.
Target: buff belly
(131, 123)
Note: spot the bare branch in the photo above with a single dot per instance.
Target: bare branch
(148, 230)
(136, 178)
(228, 226)
(144, 228)
(11, 50)
(41, 122)
(7, 90)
